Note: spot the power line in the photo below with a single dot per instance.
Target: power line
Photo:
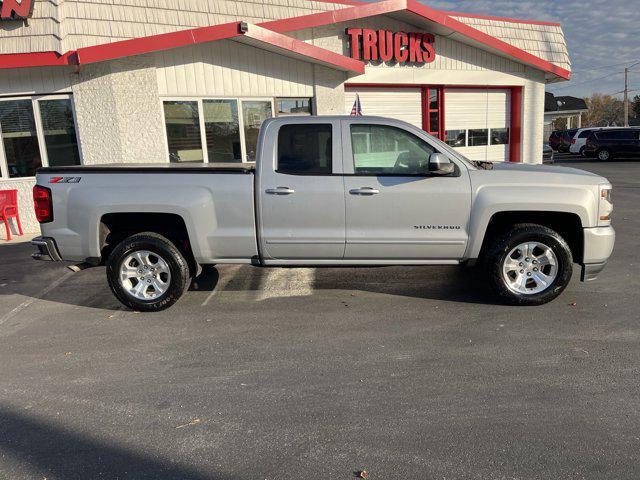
(587, 81)
(603, 66)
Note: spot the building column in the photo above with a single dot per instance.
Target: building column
(119, 113)
(328, 91)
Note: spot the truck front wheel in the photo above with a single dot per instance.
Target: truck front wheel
(529, 265)
(147, 272)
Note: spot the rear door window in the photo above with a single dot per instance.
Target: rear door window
(305, 149)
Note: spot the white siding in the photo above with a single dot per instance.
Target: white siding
(30, 81)
(399, 103)
(544, 41)
(228, 68)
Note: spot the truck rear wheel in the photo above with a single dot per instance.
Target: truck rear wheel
(147, 272)
(529, 265)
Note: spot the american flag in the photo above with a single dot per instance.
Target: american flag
(356, 111)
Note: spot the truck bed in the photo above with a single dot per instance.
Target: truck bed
(228, 168)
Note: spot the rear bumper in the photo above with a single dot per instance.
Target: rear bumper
(598, 246)
(47, 249)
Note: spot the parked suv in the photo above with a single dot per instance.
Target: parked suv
(616, 142)
(579, 140)
(560, 140)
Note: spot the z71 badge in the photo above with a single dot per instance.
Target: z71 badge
(65, 179)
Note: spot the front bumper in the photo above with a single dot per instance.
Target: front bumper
(47, 249)
(598, 246)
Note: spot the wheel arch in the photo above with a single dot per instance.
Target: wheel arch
(116, 226)
(567, 224)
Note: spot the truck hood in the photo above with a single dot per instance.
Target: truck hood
(541, 174)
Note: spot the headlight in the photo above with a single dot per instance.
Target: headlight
(605, 206)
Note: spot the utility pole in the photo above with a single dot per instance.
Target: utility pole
(626, 93)
(626, 96)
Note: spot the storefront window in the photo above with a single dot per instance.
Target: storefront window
(183, 131)
(223, 130)
(293, 106)
(254, 112)
(478, 137)
(499, 136)
(19, 138)
(59, 130)
(456, 138)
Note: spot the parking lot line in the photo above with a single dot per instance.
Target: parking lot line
(8, 316)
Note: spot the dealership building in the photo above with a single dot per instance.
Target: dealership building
(97, 81)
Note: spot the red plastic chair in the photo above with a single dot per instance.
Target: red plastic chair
(9, 209)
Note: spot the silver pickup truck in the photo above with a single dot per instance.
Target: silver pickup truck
(327, 191)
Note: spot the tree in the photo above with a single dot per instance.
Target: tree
(635, 106)
(603, 111)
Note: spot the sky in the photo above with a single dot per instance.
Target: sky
(601, 35)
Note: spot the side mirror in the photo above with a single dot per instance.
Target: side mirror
(439, 164)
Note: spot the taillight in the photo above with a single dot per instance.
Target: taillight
(573, 141)
(42, 204)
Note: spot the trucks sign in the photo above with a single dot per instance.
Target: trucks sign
(387, 46)
(16, 9)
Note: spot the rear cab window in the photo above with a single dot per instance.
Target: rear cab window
(305, 149)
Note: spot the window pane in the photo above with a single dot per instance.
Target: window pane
(433, 122)
(222, 130)
(59, 131)
(433, 99)
(585, 133)
(499, 136)
(456, 138)
(254, 113)
(19, 138)
(304, 149)
(294, 106)
(380, 150)
(478, 137)
(183, 131)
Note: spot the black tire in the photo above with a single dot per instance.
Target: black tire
(155, 243)
(604, 155)
(503, 244)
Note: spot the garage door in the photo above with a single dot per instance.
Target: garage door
(399, 103)
(477, 123)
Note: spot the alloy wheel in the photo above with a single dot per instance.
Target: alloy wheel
(145, 275)
(530, 268)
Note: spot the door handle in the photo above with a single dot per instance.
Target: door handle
(364, 191)
(280, 191)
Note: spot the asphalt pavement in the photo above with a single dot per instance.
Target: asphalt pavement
(301, 373)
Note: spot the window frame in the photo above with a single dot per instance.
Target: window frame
(35, 105)
(203, 133)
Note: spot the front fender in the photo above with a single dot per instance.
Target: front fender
(493, 199)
